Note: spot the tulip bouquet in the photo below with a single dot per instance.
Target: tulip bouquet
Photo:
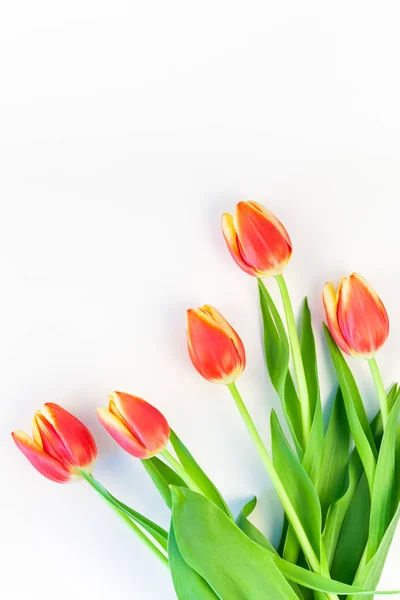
(339, 487)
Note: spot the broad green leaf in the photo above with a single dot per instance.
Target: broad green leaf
(335, 460)
(291, 409)
(234, 566)
(309, 356)
(188, 584)
(392, 396)
(277, 355)
(337, 511)
(354, 534)
(370, 574)
(357, 418)
(162, 476)
(251, 530)
(297, 484)
(255, 534)
(275, 341)
(311, 580)
(314, 450)
(197, 473)
(383, 490)
(291, 548)
(157, 532)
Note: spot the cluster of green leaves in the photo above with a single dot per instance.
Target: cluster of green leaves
(356, 497)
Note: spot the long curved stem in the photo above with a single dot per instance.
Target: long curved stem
(380, 389)
(297, 358)
(279, 487)
(140, 534)
(181, 471)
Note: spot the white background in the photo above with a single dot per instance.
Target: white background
(126, 129)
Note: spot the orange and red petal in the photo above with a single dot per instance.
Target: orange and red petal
(44, 463)
(51, 442)
(362, 317)
(330, 300)
(229, 233)
(213, 353)
(147, 424)
(271, 217)
(228, 329)
(263, 242)
(75, 436)
(121, 434)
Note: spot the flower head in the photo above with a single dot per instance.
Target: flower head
(356, 316)
(61, 444)
(137, 426)
(216, 350)
(257, 241)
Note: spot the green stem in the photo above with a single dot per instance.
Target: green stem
(279, 487)
(380, 389)
(297, 358)
(141, 535)
(190, 482)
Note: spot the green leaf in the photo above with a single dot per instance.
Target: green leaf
(335, 460)
(311, 580)
(357, 418)
(197, 473)
(314, 450)
(251, 530)
(383, 490)
(157, 532)
(277, 355)
(188, 584)
(309, 356)
(370, 574)
(313, 453)
(298, 485)
(337, 511)
(233, 565)
(346, 537)
(354, 534)
(162, 476)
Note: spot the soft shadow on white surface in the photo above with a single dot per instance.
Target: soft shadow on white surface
(126, 129)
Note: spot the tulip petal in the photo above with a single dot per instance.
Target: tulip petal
(262, 239)
(213, 352)
(51, 442)
(362, 317)
(331, 305)
(36, 432)
(147, 424)
(230, 332)
(75, 436)
(271, 217)
(121, 434)
(44, 463)
(229, 233)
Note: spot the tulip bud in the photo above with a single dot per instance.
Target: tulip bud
(61, 444)
(356, 317)
(215, 349)
(137, 426)
(257, 241)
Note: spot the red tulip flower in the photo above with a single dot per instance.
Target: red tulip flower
(216, 350)
(137, 426)
(356, 316)
(61, 444)
(257, 241)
